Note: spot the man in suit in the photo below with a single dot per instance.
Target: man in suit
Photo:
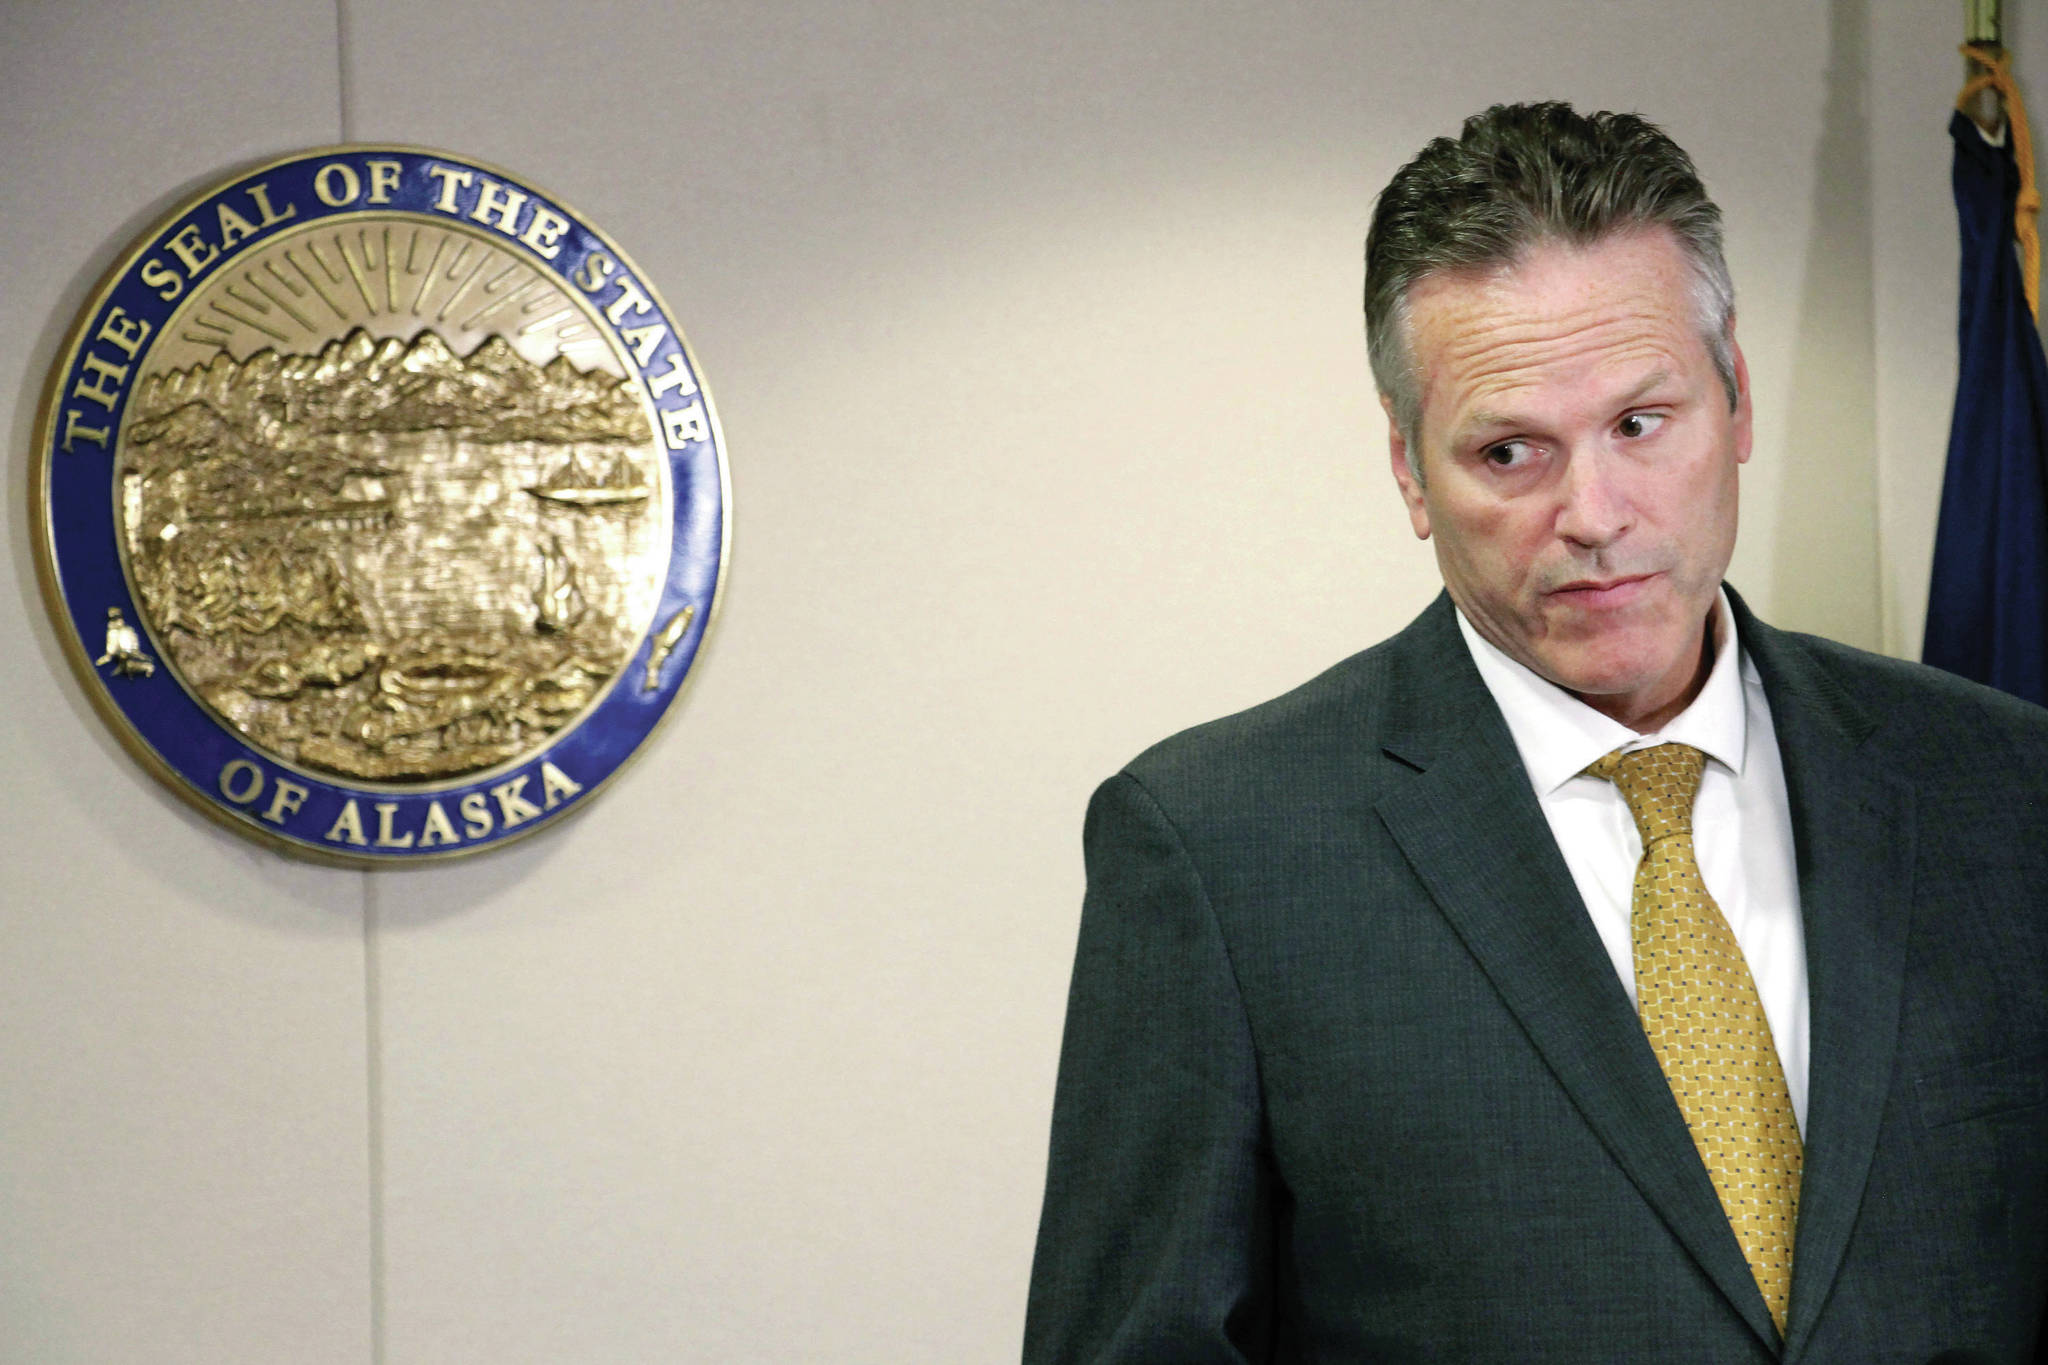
(1590, 972)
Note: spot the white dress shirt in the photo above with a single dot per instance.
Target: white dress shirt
(1742, 819)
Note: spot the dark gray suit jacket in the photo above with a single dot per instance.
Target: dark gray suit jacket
(1348, 1075)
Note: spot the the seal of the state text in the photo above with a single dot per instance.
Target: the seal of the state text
(381, 502)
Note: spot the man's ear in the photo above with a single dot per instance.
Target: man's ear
(1743, 422)
(1404, 476)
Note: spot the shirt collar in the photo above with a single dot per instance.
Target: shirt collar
(1558, 735)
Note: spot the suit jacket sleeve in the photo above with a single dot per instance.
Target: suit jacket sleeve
(1156, 1240)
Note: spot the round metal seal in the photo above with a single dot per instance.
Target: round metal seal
(381, 504)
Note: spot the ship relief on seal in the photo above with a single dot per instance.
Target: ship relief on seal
(381, 502)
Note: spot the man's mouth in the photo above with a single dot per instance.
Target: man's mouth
(1598, 594)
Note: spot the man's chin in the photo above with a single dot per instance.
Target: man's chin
(1614, 681)
(1594, 679)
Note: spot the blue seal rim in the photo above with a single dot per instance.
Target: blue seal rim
(243, 818)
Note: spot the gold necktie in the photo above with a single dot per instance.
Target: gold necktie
(1700, 1009)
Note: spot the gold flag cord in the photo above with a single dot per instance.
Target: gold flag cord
(1996, 74)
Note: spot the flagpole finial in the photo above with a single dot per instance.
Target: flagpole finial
(1982, 23)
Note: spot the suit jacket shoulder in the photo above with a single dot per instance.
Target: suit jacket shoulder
(1933, 724)
(1328, 740)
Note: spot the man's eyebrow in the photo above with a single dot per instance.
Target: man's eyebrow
(1484, 419)
(1652, 381)
(1481, 419)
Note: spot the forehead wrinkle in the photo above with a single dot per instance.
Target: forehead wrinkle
(1485, 391)
(1469, 322)
(1528, 303)
(1557, 335)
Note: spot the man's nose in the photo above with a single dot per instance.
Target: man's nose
(1592, 508)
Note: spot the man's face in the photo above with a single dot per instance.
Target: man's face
(1578, 460)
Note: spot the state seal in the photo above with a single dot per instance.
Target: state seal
(380, 504)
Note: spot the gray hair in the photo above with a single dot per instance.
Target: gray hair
(1517, 176)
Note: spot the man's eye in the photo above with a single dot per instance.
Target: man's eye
(1508, 454)
(1639, 424)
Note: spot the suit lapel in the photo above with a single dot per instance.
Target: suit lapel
(1472, 830)
(1853, 828)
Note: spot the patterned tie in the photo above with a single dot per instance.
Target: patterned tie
(1704, 1020)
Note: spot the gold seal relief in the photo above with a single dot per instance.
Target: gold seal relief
(390, 502)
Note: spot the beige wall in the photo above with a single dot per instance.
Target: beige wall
(1033, 330)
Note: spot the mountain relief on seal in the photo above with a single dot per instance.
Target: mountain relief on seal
(389, 561)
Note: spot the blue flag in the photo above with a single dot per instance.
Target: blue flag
(1987, 610)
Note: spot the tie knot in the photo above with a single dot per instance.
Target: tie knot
(1659, 784)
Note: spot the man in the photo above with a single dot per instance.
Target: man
(1590, 972)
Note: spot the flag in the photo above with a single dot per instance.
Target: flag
(1987, 608)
